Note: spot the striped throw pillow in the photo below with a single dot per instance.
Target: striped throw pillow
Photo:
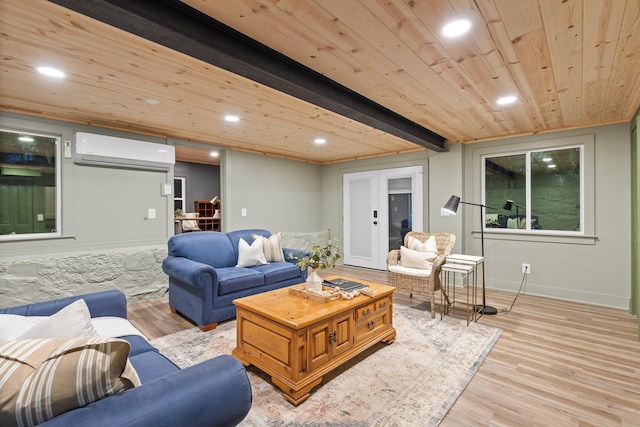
(417, 245)
(272, 247)
(43, 378)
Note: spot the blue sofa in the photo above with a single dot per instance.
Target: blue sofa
(204, 279)
(215, 392)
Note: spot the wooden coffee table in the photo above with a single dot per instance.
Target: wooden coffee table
(297, 340)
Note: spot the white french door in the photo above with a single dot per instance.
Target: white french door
(379, 208)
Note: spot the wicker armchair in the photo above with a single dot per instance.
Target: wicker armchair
(421, 282)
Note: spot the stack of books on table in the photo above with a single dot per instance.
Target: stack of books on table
(344, 284)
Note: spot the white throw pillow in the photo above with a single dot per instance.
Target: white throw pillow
(73, 320)
(248, 256)
(14, 325)
(272, 247)
(113, 327)
(415, 259)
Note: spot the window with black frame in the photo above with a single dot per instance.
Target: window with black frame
(535, 190)
(29, 184)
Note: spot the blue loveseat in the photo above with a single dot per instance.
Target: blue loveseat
(204, 279)
(215, 392)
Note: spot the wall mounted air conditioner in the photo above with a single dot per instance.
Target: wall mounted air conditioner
(108, 151)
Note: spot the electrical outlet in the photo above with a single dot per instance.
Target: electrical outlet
(526, 268)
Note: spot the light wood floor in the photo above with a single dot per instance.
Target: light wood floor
(557, 363)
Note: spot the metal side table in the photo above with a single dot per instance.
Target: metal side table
(475, 262)
(449, 272)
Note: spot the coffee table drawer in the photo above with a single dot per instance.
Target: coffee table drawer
(382, 304)
(365, 312)
(370, 325)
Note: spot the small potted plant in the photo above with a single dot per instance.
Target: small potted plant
(319, 257)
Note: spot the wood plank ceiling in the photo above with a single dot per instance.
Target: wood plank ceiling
(571, 63)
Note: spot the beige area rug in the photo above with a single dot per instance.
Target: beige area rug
(413, 381)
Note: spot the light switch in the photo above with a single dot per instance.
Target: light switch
(244, 211)
(165, 189)
(40, 217)
(67, 149)
(151, 214)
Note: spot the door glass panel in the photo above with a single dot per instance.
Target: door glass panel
(399, 218)
(400, 212)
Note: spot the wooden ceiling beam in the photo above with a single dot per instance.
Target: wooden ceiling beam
(177, 26)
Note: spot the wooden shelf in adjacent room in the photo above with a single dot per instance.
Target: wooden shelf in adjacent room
(208, 220)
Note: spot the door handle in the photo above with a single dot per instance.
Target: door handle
(375, 222)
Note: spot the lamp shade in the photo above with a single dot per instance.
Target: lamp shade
(508, 205)
(452, 205)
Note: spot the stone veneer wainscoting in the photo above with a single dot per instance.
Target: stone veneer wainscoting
(304, 240)
(136, 271)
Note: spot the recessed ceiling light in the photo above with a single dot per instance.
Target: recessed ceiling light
(25, 138)
(506, 100)
(547, 159)
(456, 28)
(51, 72)
(231, 118)
(320, 141)
(214, 154)
(152, 101)
(551, 166)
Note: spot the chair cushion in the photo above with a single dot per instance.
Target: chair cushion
(416, 272)
(233, 279)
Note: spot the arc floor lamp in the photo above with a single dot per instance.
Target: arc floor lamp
(452, 207)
